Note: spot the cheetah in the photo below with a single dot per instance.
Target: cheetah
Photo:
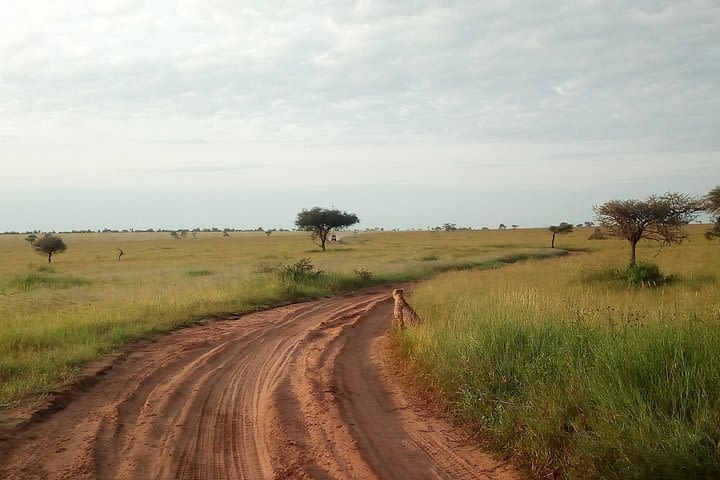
(404, 314)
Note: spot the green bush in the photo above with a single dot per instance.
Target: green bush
(364, 274)
(300, 271)
(639, 275)
(644, 274)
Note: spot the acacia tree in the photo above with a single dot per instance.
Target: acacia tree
(49, 245)
(712, 206)
(658, 218)
(320, 221)
(564, 227)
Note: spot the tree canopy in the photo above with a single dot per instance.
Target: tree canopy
(320, 221)
(563, 227)
(658, 218)
(712, 201)
(49, 245)
(712, 206)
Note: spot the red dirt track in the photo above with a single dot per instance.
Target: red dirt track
(299, 391)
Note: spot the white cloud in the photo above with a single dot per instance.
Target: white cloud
(117, 84)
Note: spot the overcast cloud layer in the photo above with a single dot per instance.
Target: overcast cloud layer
(556, 106)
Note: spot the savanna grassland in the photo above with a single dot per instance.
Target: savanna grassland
(556, 362)
(563, 366)
(56, 317)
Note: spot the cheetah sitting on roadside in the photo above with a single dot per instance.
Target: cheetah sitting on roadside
(404, 314)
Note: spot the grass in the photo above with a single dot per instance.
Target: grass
(199, 273)
(643, 274)
(34, 281)
(55, 318)
(577, 374)
(558, 363)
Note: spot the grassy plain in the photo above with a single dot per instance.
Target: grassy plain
(562, 366)
(55, 318)
(555, 362)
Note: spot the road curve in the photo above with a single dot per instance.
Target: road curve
(299, 391)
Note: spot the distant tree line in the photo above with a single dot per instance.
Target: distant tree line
(148, 230)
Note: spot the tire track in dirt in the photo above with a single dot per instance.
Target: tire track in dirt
(299, 391)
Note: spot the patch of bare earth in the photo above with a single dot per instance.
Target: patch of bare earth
(299, 391)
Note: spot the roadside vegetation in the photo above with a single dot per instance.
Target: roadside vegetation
(90, 300)
(583, 367)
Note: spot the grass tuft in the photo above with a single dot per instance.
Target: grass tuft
(35, 281)
(199, 273)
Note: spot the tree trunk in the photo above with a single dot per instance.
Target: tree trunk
(552, 245)
(633, 244)
(49, 257)
(323, 238)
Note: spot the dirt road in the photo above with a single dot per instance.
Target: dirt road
(300, 391)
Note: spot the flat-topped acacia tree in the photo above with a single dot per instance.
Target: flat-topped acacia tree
(320, 221)
(564, 227)
(658, 218)
(49, 245)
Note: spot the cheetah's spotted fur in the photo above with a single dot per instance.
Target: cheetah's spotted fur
(404, 314)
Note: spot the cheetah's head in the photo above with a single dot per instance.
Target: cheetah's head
(397, 293)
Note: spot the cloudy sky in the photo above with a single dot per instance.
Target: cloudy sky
(126, 113)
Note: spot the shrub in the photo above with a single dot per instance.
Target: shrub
(645, 274)
(299, 271)
(199, 273)
(264, 267)
(639, 275)
(363, 273)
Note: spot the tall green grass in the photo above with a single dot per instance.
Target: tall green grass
(576, 378)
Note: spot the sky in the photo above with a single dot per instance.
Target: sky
(219, 113)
